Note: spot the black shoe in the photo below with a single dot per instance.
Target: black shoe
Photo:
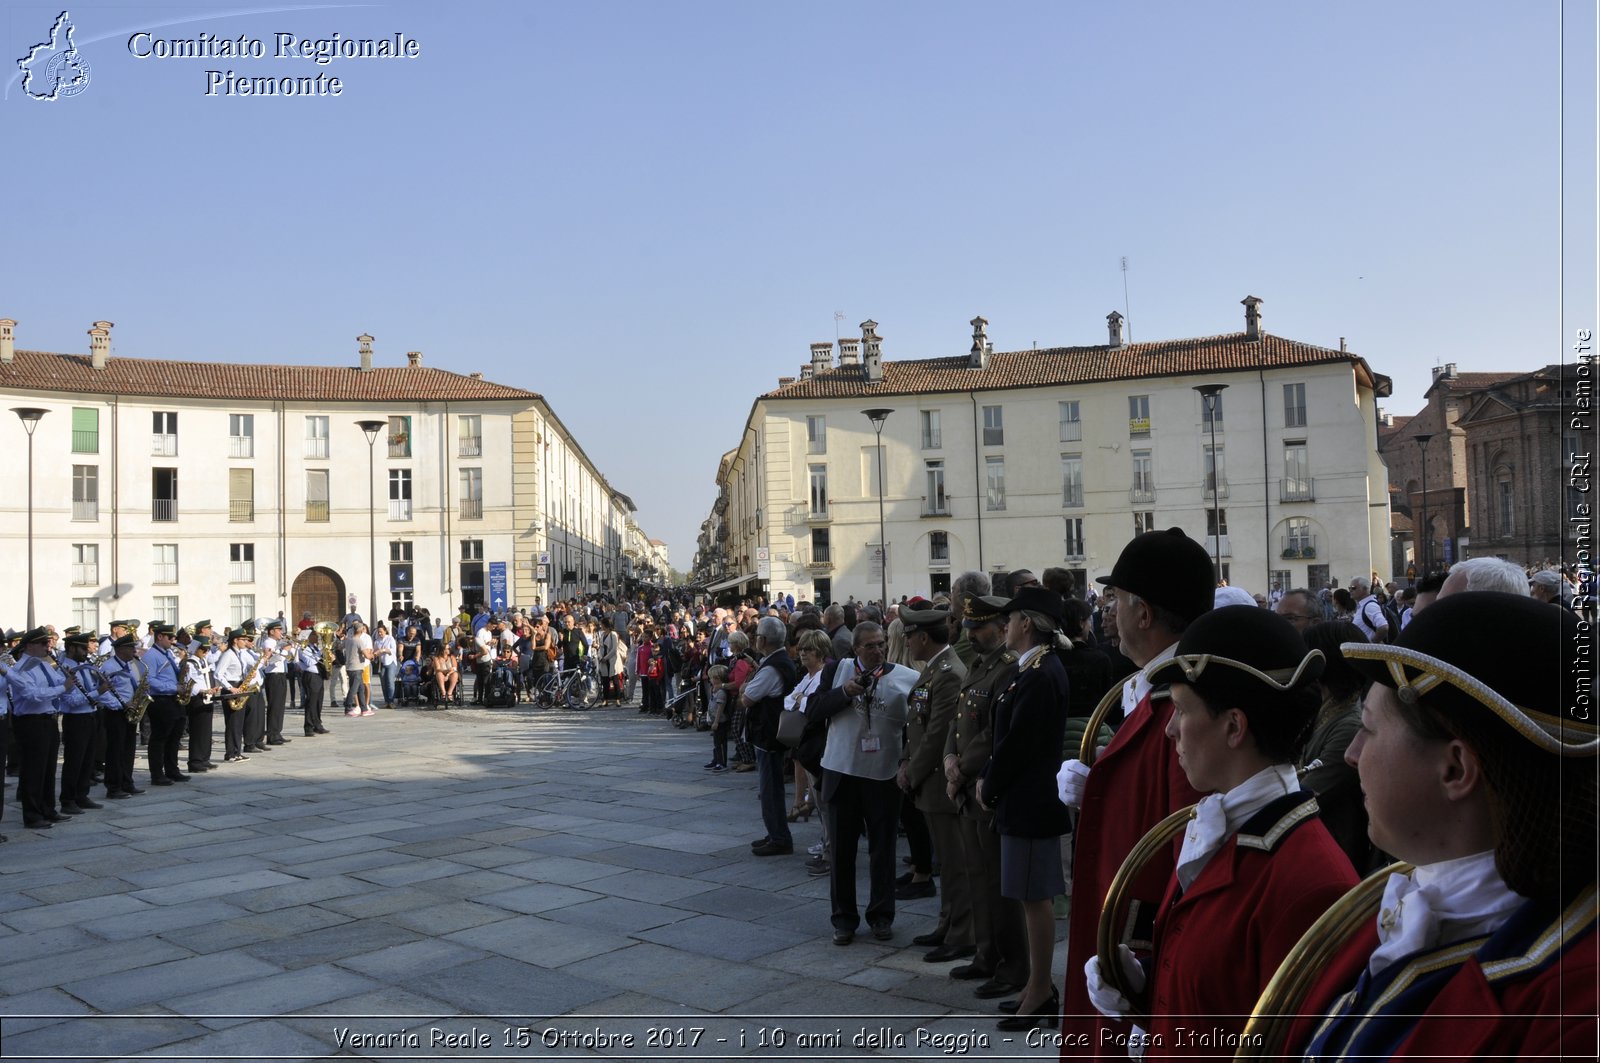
(996, 987)
(759, 842)
(279, 741)
(843, 937)
(929, 940)
(946, 953)
(162, 782)
(883, 931)
(1046, 1015)
(70, 808)
(38, 824)
(310, 733)
(905, 879)
(55, 817)
(234, 757)
(178, 776)
(118, 795)
(774, 849)
(323, 731)
(196, 769)
(912, 890)
(88, 803)
(132, 791)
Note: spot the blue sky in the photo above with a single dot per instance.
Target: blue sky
(647, 211)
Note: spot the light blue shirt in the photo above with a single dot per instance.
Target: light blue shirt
(163, 671)
(35, 687)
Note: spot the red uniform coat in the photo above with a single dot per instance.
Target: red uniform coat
(1218, 943)
(1133, 785)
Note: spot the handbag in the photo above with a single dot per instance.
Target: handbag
(791, 727)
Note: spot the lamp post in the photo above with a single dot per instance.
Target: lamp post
(878, 417)
(1422, 503)
(372, 428)
(1210, 398)
(29, 416)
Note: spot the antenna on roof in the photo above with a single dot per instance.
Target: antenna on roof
(838, 316)
(1127, 311)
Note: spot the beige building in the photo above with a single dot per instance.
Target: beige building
(174, 490)
(1054, 457)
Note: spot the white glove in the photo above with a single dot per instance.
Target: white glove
(1106, 1000)
(1070, 781)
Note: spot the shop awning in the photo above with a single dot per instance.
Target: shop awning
(727, 584)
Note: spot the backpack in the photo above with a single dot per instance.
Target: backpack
(1390, 619)
(1392, 615)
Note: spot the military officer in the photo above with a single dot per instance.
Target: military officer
(36, 686)
(932, 711)
(79, 705)
(1002, 952)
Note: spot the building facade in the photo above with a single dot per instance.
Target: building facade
(1056, 457)
(166, 490)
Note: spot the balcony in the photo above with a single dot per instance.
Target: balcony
(1075, 551)
(166, 572)
(317, 512)
(241, 511)
(939, 507)
(241, 446)
(164, 509)
(471, 446)
(317, 449)
(1299, 548)
(1221, 486)
(1138, 427)
(86, 441)
(399, 509)
(472, 509)
(241, 572)
(818, 516)
(820, 560)
(85, 574)
(1072, 431)
(1216, 548)
(85, 509)
(932, 440)
(400, 446)
(1142, 494)
(1072, 499)
(164, 445)
(1297, 489)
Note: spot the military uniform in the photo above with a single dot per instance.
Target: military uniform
(932, 711)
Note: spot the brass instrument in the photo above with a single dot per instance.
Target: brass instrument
(1155, 840)
(327, 633)
(141, 697)
(1285, 994)
(186, 684)
(1087, 747)
(246, 687)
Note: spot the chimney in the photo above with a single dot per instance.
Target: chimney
(100, 344)
(978, 355)
(1114, 328)
(806, 372)
(1342, 348)
(8, 340)
(476, 374)
(785, 381)
(1252, 317)
(849, 353)
(366, 352)
(821, 357)
(414, 359)
(1450, 370)
(872, 350)
(1438, 371)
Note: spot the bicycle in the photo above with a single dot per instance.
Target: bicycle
(572, 688)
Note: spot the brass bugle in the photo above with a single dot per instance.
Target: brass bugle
(1107, 939)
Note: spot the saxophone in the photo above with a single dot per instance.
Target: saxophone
(185, 688)
(141, 698)
(246, 687)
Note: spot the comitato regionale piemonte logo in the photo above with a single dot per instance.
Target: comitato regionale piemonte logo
(54, 69)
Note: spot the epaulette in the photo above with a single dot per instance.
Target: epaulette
(1037, 662)
(944, 666)
(1009, 657)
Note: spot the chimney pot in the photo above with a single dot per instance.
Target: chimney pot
(978, 353)
(871, 350)
(1450, 370)
(785, 381)
(821, 357)
(365, 350)
(807, 372)
(1114, 328)
(414, 359)
(849, 352)
(100, 344)
(476, 374)
(1252, 317)
(8, 339)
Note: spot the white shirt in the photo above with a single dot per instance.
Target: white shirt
(1369, 617)
(1439, 904)
(1218, 817)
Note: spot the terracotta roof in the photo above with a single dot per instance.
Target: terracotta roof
(42, 371)
(1068, 365)
(1467, 381)
(1386, 430)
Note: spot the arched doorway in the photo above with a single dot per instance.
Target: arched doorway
(320, 592)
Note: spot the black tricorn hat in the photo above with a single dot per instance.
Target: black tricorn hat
(1039, 601)
(1238, 653)
(1169, 569)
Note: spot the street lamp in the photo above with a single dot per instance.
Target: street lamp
(372, 428)
(1422, 503)
(1211, 399)
(878, 417)
(29, 416)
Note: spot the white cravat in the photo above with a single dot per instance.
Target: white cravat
(1438, 904)
(1219, 817)
(1135, 689)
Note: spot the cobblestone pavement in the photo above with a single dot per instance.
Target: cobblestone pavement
(471, 883)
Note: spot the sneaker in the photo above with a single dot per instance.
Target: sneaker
(351, 712)
(815, 850)
(818, 866)
(368, 712)
(718, 769)
(709, 765)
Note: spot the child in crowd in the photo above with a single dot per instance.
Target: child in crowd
(718, 675)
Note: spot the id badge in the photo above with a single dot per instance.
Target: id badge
(870, 743)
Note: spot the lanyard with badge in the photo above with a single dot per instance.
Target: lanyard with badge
(870, 743)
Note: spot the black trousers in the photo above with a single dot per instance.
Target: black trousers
(293, 672)
(276, 688)
(121, 737)
(77, 754)
(38, 743)
(997, 924)
(856, 806)
(233, 729)
(311, 700)
(166, 728)
(201, 720)
(918, 840)
(255, 720)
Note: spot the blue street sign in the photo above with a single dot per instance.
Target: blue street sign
(497, 585)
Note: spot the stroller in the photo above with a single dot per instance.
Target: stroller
(410, 682)
(502, 692)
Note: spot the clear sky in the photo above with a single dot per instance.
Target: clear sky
(646, 211)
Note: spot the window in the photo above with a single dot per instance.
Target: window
(1071, 422)
(241, 435)
(241, 495)
(1299, 542)
(822, 591)
(86, 613)
(399, 494)
(164, 434)
(163, 494)
(85, 564)
(1144, 482)
(241, 562)
(995, 482)
(819, 490)
(1138, 415)
(399, 437)
(935, 503)
(470, 427)
(165, 558)
(1074, 536)
(85, 431)
(400, 571)
(816, 435)
(1211, 412)
(1144, 521)
(1217, 521)
(86, 492)
(994, 428)
(1294, 405)
(821, 550)
(241, 607)
(1071, 480)
(932, 434)
(317, 437)
(471, 494)
(1215, 468)
(939, 548)
(1504, 502)
(317, 495)
(473, 587)
(164, 610)
(472, 549)
(1297, 486)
